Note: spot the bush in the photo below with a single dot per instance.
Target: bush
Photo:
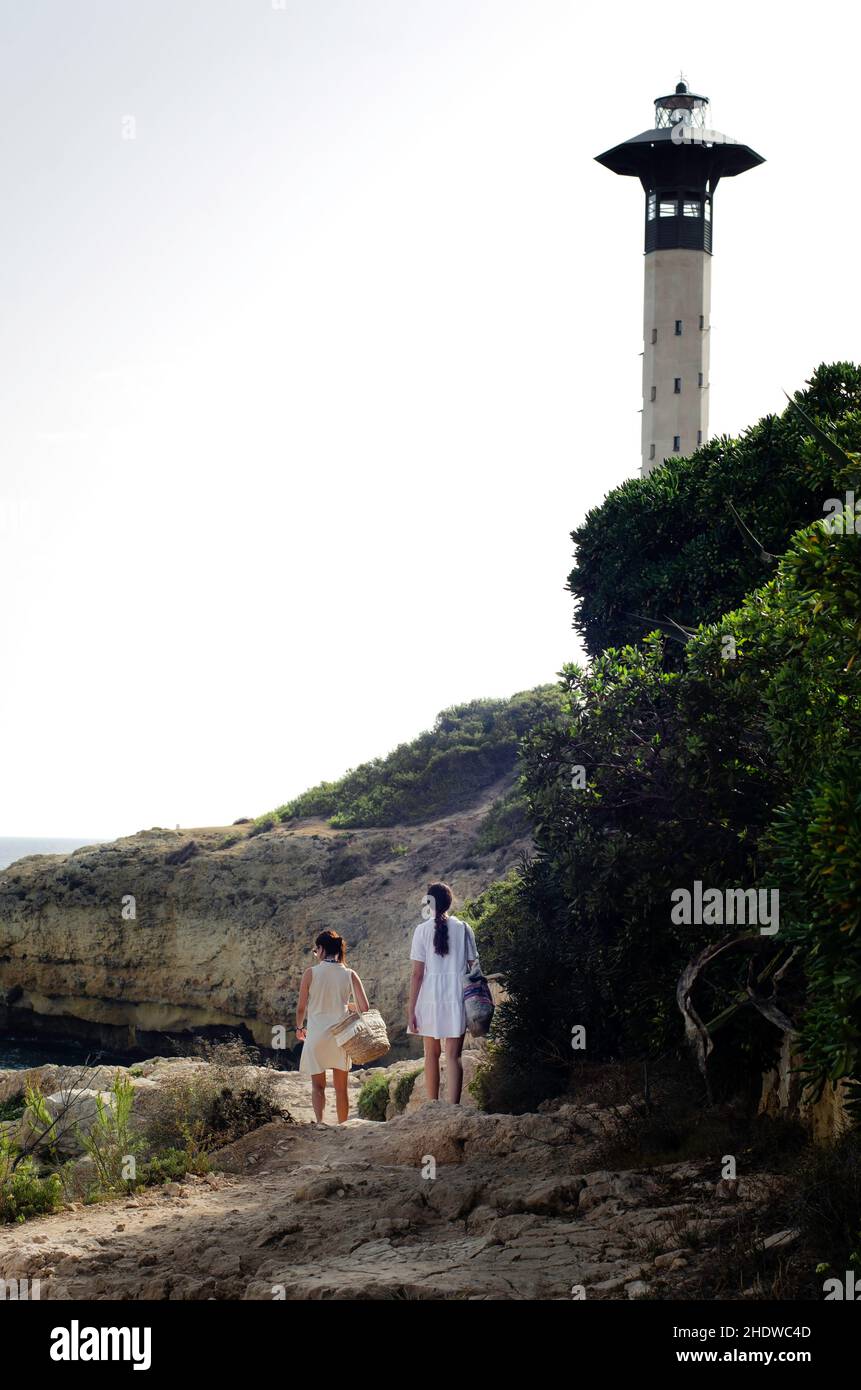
(207, 1107)
(236, 1112)
(23, 1192)
(826, 1201)
(404, 1089)
(666, 546)
(172, 1165)
(111, 1141)
(374, 1098)
(507, 820)
(508, 1083)
(13, 1108)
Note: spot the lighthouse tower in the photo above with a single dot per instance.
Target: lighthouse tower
(679, 164)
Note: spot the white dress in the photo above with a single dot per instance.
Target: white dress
(331, 989)
(439, 1008)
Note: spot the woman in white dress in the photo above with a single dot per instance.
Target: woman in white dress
(324, 996)
(443, 948)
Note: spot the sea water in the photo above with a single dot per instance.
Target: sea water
(20, 846)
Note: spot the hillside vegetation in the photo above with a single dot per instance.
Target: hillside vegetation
(445, 769)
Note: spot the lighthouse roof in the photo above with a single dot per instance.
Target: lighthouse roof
(640, 155)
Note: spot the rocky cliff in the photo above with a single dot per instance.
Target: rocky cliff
(168, 932)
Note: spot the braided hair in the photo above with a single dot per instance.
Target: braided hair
(441, 894)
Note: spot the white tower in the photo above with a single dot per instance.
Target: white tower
(679, 163)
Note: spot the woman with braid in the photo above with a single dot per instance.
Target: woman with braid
(443, 948)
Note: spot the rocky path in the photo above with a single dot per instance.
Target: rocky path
(442, 1202)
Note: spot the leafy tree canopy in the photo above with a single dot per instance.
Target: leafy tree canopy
(667, 547)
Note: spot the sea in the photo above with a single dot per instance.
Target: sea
(12, 849)
(19, 1055)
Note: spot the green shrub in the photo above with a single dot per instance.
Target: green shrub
(507, 820)
(508, 1083)
(23, 1192)
(13, 1108)
(374, 1098)
(111, 1141)
(208, 1107)
(404, 1089)
(233, 1113)
(171, 1165)
(666, 546)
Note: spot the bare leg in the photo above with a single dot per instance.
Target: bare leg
(453, 1070)
(432, 1049)
(342, 1100)
(318, 1094)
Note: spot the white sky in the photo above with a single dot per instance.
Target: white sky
(303, 388)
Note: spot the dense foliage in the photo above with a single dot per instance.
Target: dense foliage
(738, 767)
(667, 546)
(469, 748)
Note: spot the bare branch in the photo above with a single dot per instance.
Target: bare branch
(765, 555)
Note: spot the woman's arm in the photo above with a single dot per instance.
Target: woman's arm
(418, 974)
(302, 1004)
(359, 994)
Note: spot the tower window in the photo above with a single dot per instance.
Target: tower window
(652, 452)
(669, 208)
(702, 320)
(678, 328)
(692, 208)
(677, 443)
(677, 385)
(653, 207)
(700, 380)
(654, 393)
(708, 212)
(699, 436)
(654, 335)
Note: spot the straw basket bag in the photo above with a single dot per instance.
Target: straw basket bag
(362, 1036)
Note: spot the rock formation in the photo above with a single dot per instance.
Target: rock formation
(440, 1202)
(165, 932)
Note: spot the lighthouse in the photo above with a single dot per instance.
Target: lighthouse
(679, 163)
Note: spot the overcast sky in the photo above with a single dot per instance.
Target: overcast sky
(321, 331)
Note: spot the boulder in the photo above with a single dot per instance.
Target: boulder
(73, 1112)
(471, 1060)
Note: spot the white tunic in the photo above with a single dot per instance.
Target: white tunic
(439, 1009)
(331, 988)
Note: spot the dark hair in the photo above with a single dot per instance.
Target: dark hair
(333, 944)
(441, 894)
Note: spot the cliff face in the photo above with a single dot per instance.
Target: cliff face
(222, 930)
